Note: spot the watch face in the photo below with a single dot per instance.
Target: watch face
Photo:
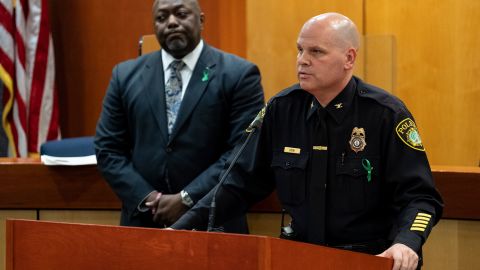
(186, 200)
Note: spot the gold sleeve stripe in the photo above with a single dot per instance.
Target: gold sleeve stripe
(417, 229)
(422, 218)
(419, 225)
(424, 215)
(421, 222)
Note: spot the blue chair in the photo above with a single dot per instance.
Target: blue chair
(80, 150)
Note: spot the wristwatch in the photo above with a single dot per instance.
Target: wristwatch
(186, 200)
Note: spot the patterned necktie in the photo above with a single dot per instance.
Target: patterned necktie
(173, 93)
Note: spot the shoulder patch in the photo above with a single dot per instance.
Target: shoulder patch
(407, 132)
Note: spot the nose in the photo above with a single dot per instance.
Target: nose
(302, 59)
(172, 21)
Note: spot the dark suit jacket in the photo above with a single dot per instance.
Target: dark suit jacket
(133, 149)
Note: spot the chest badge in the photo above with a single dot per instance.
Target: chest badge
(357, 141)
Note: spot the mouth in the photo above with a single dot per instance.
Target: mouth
(303, 75)
(174, 36)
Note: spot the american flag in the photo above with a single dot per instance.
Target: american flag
(27, 72)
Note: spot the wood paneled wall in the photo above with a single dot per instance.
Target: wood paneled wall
(90, 37)
(437, 68)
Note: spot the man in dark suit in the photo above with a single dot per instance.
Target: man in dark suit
(171, 118)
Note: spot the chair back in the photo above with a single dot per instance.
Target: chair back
(148, 44)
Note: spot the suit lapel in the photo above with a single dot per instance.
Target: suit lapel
(154, 85)
(203, 73)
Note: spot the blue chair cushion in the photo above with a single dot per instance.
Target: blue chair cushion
(71, 147)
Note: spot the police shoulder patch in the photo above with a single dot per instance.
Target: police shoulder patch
(407, 132)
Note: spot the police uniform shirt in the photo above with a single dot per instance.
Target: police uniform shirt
(352, 172)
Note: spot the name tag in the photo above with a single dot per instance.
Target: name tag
(292, 150)
(320, 148)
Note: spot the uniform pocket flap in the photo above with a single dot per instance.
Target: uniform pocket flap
(353, 166)
(289, 161)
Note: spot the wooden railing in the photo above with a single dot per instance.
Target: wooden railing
(27, 184)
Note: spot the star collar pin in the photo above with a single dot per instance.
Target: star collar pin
(339, 105)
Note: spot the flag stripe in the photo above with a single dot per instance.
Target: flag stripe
(27, 58)
(38, 80)
(24, 5)
(7, 63)
(6, 19)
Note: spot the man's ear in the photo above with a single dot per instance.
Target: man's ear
(202, 20)
(351, 56)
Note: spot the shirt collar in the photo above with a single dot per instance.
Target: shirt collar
(339, 106)
(190, 59)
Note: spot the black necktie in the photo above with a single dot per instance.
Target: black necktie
(318, 180)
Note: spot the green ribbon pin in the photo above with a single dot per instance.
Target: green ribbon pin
(368, 167)
(205, 74)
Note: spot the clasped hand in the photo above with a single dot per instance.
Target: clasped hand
(165, 208)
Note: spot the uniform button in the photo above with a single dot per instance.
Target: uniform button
(169, 150)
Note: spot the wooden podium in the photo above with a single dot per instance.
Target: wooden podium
(47, 245)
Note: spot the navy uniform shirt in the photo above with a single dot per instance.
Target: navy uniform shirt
(355, 171)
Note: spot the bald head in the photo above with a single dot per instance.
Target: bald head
(341, 29)
(327, 48)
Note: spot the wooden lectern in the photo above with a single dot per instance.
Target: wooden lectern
(48, 245)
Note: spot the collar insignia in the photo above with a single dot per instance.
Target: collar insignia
(339, 105)
(357, 141)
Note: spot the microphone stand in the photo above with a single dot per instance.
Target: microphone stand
(213, 205)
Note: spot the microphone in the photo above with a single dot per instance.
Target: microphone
(257, 122)
(252, 128)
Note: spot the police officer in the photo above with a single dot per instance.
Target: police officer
(345, 157)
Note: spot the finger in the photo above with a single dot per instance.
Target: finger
(397, 261)
(415, 264)
(383, 254)
(154, 204)
(157, 217)
(413, 261)
(405, 262)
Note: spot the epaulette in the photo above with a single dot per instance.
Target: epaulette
(381, 96)
(287, 91)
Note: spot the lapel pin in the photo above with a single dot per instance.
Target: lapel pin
(339, 105)
(205, 74)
